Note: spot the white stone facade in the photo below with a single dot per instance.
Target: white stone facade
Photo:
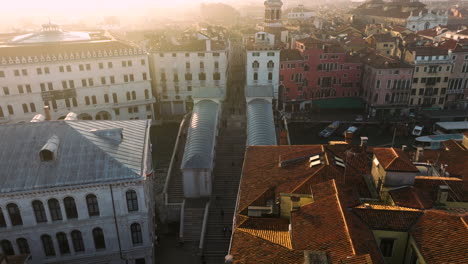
(181, 76)
(262, 69)
(114, 219)
(99, 86)
(418, 22)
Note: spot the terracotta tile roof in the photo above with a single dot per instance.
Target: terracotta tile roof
(290, 55)
(394, 218)
(442, 237)
(275, 230)
(423, 194)
(247, 248)
(321, 226)
(394, 160)
(361, 259)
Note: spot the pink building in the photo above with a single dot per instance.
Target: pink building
(457, 90)
(387, 85)
(326, 71)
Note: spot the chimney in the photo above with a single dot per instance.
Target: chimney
(419, 153)
(38, 118)
(404, 147)
(364, 143)
(348, 137)
(442, 194)
(47, 113)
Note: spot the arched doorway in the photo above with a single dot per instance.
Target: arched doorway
(85, 116)
(103, 115)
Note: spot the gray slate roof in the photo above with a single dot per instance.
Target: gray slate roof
(198, 152)
(82, 157)
(260, 123)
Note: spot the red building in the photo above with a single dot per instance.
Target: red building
(317, 70)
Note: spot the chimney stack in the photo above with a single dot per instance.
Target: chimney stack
(364, 143)
(348, 137)
(47, 113)
(404, 147)
(419, 153)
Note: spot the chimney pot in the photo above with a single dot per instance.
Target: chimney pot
(364, 143)
(442, 194)
(47, 113)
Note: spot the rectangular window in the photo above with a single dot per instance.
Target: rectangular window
(110, 65)
(112, 79)
(216, 76)
(101, 65)
(144, 76)
(46, 70)
(6, 91)
(129, 63)
(64, 85)
(38, 70)
(415, 80)
(90, 82)
(125, 78)
(201, 54)
(61, 69)
(131, 77)
(270, 54)
(124, 63)
(16, 72)
(103, 80)
(84, 83)
(215, 54)
(20, 89)
(50, 86)
(143, 62)
(24, 72)
(28, 88)
(81, 67)
(386, 247)
(71, 84)
(88, 67)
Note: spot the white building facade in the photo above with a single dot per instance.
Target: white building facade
(69, 71)
(187, 71)
(420, 21)
(263, 62)
(80, 219)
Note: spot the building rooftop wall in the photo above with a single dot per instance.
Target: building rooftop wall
(82, 156)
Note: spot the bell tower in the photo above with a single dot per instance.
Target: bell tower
(273, 13)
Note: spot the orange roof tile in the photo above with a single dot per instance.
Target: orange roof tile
(393, 218)
(442, 237)
(275, 230)
(394, 160)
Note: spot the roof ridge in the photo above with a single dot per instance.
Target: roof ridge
(394, 158)
(308, 178)
(344, 218)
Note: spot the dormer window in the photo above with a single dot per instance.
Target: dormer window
(49, 150)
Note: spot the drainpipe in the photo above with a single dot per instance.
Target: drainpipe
(116, 225)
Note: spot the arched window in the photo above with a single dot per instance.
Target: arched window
(87, 100)
(147, 94)
(77, 240)
(270, 65)
(15, 215)
(128, 96)
(93, 207)
(2, 219)
(70, 207)
(39, 211)
(106, 98)
(134, 95)
(48, 245)
(10, 110)
(33, 107)
(98, 236)
(7, 248)
(63, 243)
(255, 76)
(54, 208)
(1, 112)
(23, 245)
(137, 238)
(25, 108)
(255, 65)
(132, 200)
(94, 99)
(427, 25)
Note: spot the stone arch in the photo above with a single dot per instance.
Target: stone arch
(103, 115)
(85, 116)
